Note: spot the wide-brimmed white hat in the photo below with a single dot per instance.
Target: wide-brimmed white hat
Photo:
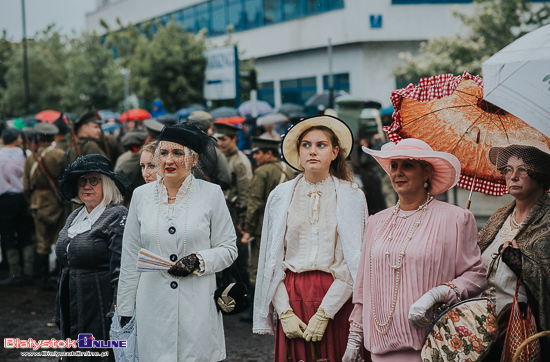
(290, 139)
(446, 166)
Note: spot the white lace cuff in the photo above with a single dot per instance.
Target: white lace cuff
(201, 265)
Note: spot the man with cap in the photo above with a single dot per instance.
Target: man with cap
(60, 138)
(269, 173)
(42, 170)
(15, 232)
(222, 174)
(128, 163)
(236, 195)
(92, 140)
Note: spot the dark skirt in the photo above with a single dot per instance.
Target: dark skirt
(306, 292)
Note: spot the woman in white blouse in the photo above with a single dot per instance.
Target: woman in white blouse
(185, 220)
(311, 242)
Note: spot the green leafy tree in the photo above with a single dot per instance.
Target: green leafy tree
(93, 77)
(6, 52)
(169, 65)
(493, 25)
(47, 56)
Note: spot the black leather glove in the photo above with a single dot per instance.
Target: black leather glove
(184, 266)
(124, 321)
(512, 257)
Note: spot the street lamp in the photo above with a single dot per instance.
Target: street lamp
(25, 61)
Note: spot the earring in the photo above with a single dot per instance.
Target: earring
(425, 184)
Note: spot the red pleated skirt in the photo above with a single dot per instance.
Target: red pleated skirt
(306, 291)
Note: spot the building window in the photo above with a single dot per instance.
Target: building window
(266, 92)
(218, 18)
(341, 82)
(217, 15)
(272, 11)
(407, 2)
(298, 90)
(292, 9)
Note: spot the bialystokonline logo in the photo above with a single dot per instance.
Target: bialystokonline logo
(84, 341)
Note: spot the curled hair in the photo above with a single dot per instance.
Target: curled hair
(149, 147)
(338, 167)
(111, 193)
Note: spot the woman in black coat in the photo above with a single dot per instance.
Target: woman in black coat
(89, 250)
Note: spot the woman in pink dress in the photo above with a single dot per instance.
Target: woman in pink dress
(417, 253)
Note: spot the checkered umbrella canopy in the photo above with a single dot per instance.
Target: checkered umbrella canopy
(448, 112)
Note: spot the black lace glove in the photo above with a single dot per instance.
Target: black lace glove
(124, 321)
(512, 258)
(184, 266)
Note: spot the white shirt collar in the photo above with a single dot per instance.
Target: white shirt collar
(84, 220)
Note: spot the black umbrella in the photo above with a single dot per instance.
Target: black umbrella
(323, 99)
(290, 108)
(224, 112)
(169, 119)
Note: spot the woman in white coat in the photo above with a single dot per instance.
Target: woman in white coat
(311, 241)
(186, 220)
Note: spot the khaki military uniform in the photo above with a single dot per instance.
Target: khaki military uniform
(63, 144)
(48, 211)
(87, 146)
(128, 165)
(115, 148)
(236, 197)
(266, 178)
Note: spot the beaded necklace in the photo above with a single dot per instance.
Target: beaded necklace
(384, 327)
(513, 222)
(186, 213)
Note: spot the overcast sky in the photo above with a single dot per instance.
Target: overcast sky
(68, 15)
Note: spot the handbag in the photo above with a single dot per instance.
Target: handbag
(127, 333)
(232, 298)
(464, 331)
(521, 326)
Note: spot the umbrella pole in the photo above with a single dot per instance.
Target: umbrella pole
(469, 202)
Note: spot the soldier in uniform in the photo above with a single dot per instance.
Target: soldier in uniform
(128, 163)
(270, 173)
(42, 170)
(222, 173)
(87, 129)
(60, 138)
(111, 146)
(236, 195)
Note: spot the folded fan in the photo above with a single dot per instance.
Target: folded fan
(148, 261)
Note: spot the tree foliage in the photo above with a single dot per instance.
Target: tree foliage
(493, 25)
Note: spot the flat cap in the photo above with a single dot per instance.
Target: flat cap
(46, 129)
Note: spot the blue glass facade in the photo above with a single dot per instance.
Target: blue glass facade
(217, 15)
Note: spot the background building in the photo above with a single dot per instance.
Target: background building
(289, 38)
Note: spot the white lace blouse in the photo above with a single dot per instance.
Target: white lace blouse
(312, 243)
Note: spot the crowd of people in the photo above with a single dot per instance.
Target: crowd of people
(326, 278)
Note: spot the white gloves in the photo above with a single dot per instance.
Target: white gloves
(317, 325)
(417, 313)
(293, 326)
(355, 342)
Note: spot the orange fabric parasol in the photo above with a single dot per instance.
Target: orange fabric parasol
(47, 116)
(135, 114)
(449, 114)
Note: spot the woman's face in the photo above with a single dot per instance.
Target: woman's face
(518, 182)
(90, 190)
(148, 167)
(408, 176)
(316, 152)
(175, 161)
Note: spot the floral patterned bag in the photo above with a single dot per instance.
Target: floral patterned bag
(463, 332)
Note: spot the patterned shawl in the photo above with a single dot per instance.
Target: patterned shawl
(533, 239)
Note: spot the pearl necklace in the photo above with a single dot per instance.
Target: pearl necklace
(384, 327)
(186, 213)
(513, 222)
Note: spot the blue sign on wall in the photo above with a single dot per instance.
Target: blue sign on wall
(376, 20)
